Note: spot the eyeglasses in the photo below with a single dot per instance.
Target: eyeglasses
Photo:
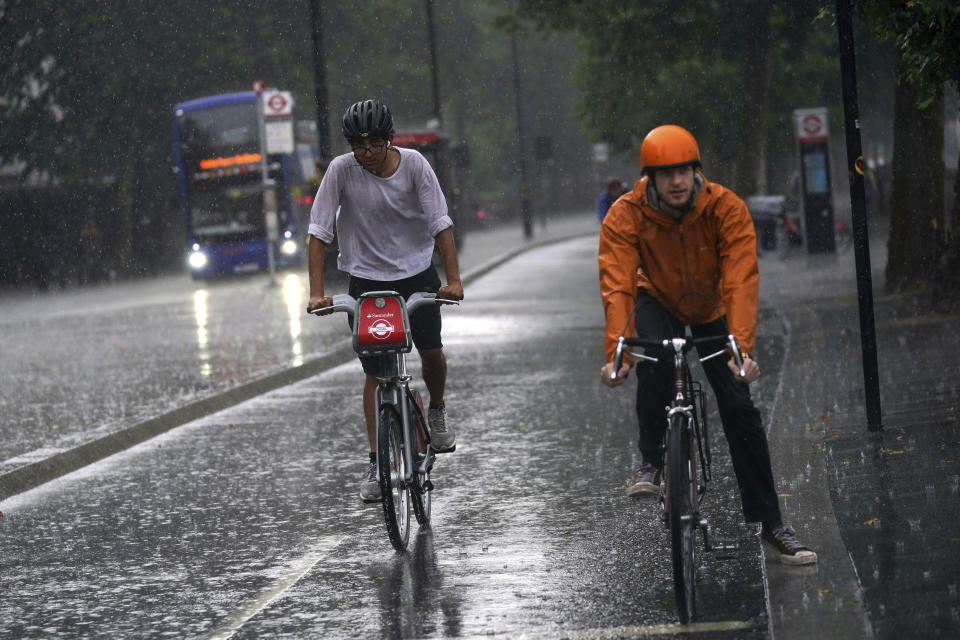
(367, 146)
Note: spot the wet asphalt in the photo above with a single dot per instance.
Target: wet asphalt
(244, 522)
(247, 522)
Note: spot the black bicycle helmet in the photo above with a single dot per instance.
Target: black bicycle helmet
(367, 119)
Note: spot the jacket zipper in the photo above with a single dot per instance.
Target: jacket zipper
(686, 264)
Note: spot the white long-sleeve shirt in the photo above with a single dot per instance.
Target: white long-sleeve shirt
(385, 228)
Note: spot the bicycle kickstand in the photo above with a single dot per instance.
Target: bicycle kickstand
(720, 548)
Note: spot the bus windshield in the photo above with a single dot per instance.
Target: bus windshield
(223, 209)
(218, 132)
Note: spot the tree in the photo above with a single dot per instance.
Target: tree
(87, 96)
(86, 91)
(926, 34)
(648, 63)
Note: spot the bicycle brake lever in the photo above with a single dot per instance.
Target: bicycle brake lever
(737, 358)
(617, 359)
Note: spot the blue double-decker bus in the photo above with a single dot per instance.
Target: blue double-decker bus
(216, 144)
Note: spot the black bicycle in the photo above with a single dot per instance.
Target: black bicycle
(405, 457)
(686, 458)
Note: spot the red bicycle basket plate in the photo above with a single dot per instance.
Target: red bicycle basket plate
(381, 328)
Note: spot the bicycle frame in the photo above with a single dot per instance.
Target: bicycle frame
(393, 386)
(687, 391)
(682, 492)
(394, 389)
(381, 327)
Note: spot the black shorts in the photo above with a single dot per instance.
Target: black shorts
(426, 321)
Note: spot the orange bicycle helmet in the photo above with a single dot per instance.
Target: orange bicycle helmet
(668, 146)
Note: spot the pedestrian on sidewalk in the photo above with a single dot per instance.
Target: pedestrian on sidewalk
(389, 214)
(673, 233)
(614, 189)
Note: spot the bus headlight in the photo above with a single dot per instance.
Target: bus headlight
(197, 260)
(288, 248)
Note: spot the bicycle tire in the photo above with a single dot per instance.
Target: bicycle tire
(681, 492)
(391, 467)
(421, 495)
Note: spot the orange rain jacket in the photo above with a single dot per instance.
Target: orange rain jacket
(713, 250)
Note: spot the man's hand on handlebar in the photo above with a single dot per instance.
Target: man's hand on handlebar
(606, 375)
(751, 370)
(451, 291)
(319, 302)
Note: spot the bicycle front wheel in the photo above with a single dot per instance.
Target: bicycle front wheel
(681, 494)
(391, 466)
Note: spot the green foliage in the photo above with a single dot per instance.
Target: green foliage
(927, 37)
(648, 63)
(89, 86)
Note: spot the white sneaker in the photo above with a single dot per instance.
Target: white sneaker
(370, 485)
(646, 482)
(442, 437)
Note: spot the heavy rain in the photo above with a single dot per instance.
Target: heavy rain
(182, 446)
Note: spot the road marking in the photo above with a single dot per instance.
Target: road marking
(296, 570)
(621, 632)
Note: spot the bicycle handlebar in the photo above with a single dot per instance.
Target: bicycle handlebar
(348, 304)
(678, 345)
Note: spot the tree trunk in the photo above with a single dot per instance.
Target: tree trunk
(916, 204)
(750, 163)
(948, 274)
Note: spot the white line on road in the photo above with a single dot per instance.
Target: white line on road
(296, 570)
(620, 632)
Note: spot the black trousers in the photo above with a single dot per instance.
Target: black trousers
(740, 418)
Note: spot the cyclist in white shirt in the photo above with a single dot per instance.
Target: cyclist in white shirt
(392, 214)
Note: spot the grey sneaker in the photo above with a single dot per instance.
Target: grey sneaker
(782, 541)
(443, 437)
(646, 483)
(370, 485)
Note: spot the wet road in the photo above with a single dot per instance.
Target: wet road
(247, 522)
(65, 379)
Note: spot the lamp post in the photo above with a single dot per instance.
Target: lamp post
(431, 38)
(324, 148)
(526, 214)
(861, 244)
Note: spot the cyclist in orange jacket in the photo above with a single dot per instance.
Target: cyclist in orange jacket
(675, 233)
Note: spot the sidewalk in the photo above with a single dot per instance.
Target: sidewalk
(89, 372)
(879, 507)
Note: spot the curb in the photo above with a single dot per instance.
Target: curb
(34, 474)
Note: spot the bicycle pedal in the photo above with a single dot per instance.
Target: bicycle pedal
(724, 549)
(427, 486)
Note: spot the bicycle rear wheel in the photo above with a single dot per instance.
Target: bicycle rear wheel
(391, 466)
(681, 494)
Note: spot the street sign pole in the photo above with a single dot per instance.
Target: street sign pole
(861, 244)
(269, 196)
